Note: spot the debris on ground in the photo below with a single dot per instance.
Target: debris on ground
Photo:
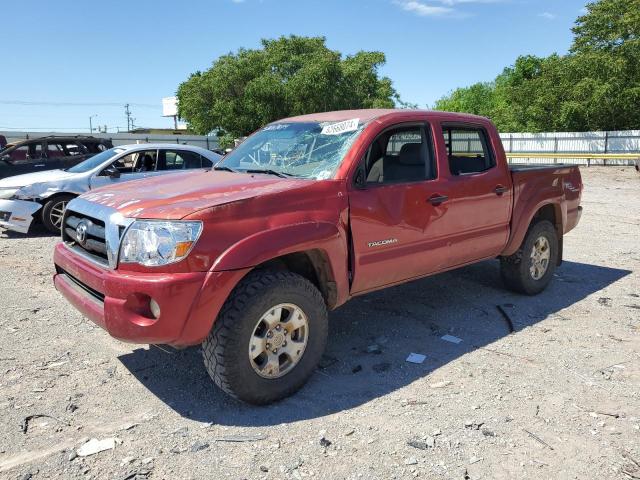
(324, 442)
(94, 446)
(473, 424)
(442, 384)
(198, 446)
(537, 439)
(422, 444)
(249, 437)
(451, 339)
(25, 422)
(381, 367)
(375, 349)
(506, 317)
(416, 358)
(326, 361)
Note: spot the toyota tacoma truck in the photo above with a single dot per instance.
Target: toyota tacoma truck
(248, 257)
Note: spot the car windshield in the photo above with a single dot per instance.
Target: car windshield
(95, 161)
(300, 149)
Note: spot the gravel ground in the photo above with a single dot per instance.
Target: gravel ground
(558, 398)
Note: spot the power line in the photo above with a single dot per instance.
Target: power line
(76, 104)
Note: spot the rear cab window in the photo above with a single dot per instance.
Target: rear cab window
(468, 149)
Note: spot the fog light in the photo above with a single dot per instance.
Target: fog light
(155, 308)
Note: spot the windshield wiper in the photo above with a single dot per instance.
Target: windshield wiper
(224, 168)
(268, 171)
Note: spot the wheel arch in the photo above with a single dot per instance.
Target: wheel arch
(551, 211)
(316, 251)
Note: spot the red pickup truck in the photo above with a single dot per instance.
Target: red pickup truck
(305, 214)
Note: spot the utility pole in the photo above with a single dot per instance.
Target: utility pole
(91, 124)
(127, 112)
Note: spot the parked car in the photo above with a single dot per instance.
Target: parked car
(48, 153)
(302, 216)
(48, 193)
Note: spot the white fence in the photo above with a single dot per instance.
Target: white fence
(600, 148)
(124, 138)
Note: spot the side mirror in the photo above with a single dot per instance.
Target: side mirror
(111, 171)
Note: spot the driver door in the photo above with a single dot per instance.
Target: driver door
(132, 166)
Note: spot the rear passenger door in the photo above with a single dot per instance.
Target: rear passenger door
(478, 194)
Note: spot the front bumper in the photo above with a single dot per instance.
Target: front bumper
(189, 302)
(17, 215)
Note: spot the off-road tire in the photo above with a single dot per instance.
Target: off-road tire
(225, 350)
(54, 203)
(515, 269)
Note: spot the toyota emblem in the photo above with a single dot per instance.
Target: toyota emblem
(81, 232)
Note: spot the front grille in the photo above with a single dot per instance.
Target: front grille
(94, 242)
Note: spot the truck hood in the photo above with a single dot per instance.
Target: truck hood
(18, 181)
(176, 196)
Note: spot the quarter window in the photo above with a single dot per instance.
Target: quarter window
(467, 150)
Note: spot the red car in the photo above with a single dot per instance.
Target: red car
(305, 214)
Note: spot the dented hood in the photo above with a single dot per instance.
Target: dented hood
(36, 177)
(176, 196)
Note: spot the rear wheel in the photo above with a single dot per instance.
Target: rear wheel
(53, 211)
(531, 268)
(268, 338)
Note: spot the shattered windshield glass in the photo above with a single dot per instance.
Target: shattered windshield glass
(299, 149)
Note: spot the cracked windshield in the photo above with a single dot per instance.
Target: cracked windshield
(308, 150)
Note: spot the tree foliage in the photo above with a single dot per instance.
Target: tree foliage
(595, 87)
(288, 76)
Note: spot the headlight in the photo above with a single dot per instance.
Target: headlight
(152, 242)
(7, 193)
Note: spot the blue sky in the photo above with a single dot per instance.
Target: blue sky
(76, 59)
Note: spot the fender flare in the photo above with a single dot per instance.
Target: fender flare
(520, 230)
(267, 245)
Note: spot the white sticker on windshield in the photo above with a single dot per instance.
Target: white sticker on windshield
(276, 126)
(342, 127)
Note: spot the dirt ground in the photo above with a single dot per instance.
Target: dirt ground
(557, 399)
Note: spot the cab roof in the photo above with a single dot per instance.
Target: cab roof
(367, 115)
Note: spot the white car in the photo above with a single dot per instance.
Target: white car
(48, 193)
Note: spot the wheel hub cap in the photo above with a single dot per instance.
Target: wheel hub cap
(539, 260)
(278, 340)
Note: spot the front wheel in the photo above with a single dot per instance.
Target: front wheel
(268, 338)
(531, 268)
(53, 211)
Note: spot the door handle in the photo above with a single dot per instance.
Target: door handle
(437, 199)
(500, 189)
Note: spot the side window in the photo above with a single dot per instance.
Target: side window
(55, 150)
(401, 154)
(20, 154)
(206, 163)
(71, 149)
(467, 150)
(144, 161)
(182, 159)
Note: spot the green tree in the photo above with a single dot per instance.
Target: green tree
(595, 87)
(288, 76)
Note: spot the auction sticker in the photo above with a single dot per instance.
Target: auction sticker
(342, 127)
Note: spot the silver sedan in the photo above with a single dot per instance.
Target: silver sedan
(47, 193)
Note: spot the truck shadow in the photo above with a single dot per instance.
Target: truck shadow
(405, 319)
